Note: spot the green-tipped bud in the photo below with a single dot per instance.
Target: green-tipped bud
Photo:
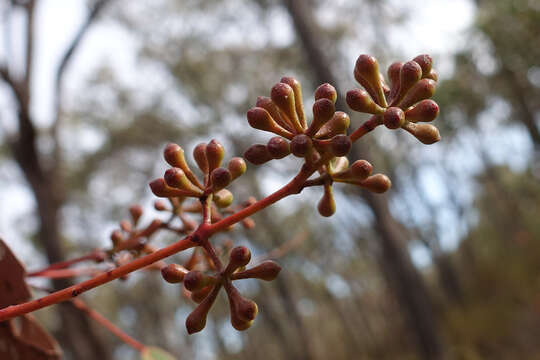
(393, 118)
(261, 119)
(220, 178)
(366, 70)
(359, 100)
(424, 111)
(239, 257)
(257, 154)
(215, 152)
(337, 125)
(301, 145)
(173, 273)
(243, 311)
(196, 321)
(195, 280)
(199, 154)
(409, 75)
(267, 104)
(424, 89)
(326, 91)
(327, 205)
(117, 237)
(425, 61)
(297, 90)
(339, 164)
(278, 147)
(223, 198)
(283, 96)
(237, 167)
(340, 145)
(377, 183)
(136, 212)
(323, 110)
(426, 133)
(267, 271)
(176, 178)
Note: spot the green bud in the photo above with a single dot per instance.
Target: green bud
(338, 164)
(223, 198)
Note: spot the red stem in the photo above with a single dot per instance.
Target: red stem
(366, 127)
(94, 255)
(81, 305)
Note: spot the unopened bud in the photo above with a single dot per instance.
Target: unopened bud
(214, 153)
(173, 273)
(301, 145)
(361, 169)
(174, 155)
(257, 154)
(426, 133)
(323, 110)
(377, 183)
(243, 311)
(340, 145)
(125, 225)
(359, 100)
(160, 205)
(337, 125)
(117, 237)
(259, 118)
(201, 294)
(283, 96)
(195, 280)
(366, 72)
(267, 271)
(196, 321)
(409, 75)
(327, 204)
(424, 111)
(176, 178)
(136, 212)
(199, 154)
(424, 89)
(220, 178)
(425, 61)
(339, 164)
(160, 188)
(297, 90)
(239, 257)
(326, 91)
(393, 118)
(223, 198)
(267, 104)
(278, 147)
(237, 167)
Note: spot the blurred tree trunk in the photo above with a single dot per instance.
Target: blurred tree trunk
(404, 279)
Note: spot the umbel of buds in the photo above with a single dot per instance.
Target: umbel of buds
(180, 181)
(405, 103)
(204, 288)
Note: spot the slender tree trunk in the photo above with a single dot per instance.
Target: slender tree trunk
(404, 279)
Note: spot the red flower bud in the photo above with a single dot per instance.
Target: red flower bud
(340, 145)
(267, 270)
(278, 147)
(283, 96)
(257, 154)
(301, 145)
(215, 152)
(237, 167)
(359, 100)
(326, 91)
(393, 118)
(424, 111)
(173, 273)
(327, 205)
(297, 90)
(199, 154)
(220, 178)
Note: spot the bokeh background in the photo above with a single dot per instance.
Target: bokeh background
(445, 265)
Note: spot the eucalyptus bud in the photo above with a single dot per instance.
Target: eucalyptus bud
(237, 167)
(340, 145)
(196, 321)
(394, 71)
(220, 178)
(261, 119)
(409, 75)
(337, 125)
(243, 311)
(273, 110)
(323, 110)
(361, 169)
(297, 90)
(173, 273)
(426, 133)
(117, 237)
(283, 96)
(223, 198)
(301, 145)
(160, 205)
(201, 294)
(176, 178)
(199, 154)
(215, 152)
(359, 100)
(160, 188)
(339, 164)
(326, 91)
(424, 89)
(367, 70)
(424, 111)
(239, 257)
(136, 212)
(195, 280)
(377, 183)
(425, 61)
(278, 147)
(393, 118)
(257, 154)
(175, 156)
(327, 205)
(267, 270)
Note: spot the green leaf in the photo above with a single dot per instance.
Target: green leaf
(154, 353)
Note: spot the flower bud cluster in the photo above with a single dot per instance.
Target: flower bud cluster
(404, 103)
(204, 287)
